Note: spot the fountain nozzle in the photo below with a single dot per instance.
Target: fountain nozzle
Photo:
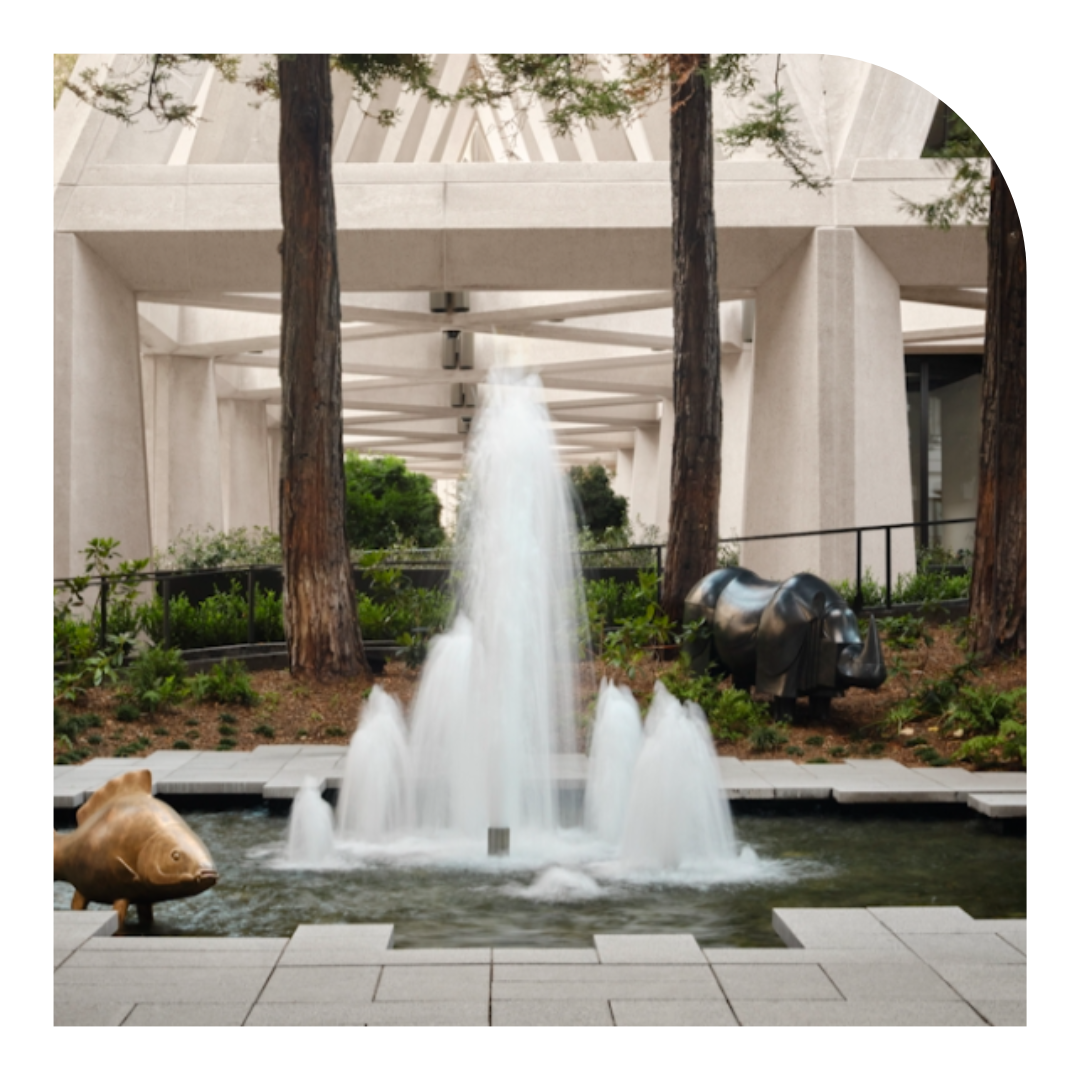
(498, 840)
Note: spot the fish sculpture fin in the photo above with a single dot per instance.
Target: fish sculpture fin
(130, 783)
(128, 868)
(79, 902)
(120, 907)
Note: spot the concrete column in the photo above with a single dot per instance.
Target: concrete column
(245, 464)
(643, 489)
(665, 443)
(99, 455)
(185, 471)
(960, 431)
(273, 443)
(622, 482)
(828, 441)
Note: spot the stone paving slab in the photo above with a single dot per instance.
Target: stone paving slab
(890, 955)
(451, 982)
(672, 1013)
(184, 944)
(857, 1014)
(187, 1014)
(926, 920)
(1002, 1013)
(775, 982)
(73, 929)
(225, 986)
(1016, 937)
(80, 1012)
(999, 805)
(832, 928)
(318, 935)
(961, 780)
(379, 1013)
(691, 974)
(202, 959)
(325, 985)
(519, 955)
(984, 982)
(286, 784)
(648, 949)
(888, 982)
(363, 956)
(962, 949)
(631, 989)
(551, 1014)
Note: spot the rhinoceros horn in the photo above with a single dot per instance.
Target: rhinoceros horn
(866, 668)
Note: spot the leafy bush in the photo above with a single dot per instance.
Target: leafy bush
(905, 631)
(385, 503)
(597, 505)
(731, 714)
(981, 709)
(156, 679)
(767, 737)
(229, 683)
(221, 619)
(209, 548)
(1008, 744)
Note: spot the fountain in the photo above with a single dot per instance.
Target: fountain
(496, 700)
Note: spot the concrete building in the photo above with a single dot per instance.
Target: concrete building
(852, 335)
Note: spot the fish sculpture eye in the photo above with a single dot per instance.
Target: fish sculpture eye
(176, 855)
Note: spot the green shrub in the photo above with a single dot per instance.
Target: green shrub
(181, 744)
(838, 751)
(230, 684)
(766, 737)
(226, 744)
(815, 740)
(265, 730)
(220, 619)
(982, 709)
(155, 679)
(731, 714)
(905, 631)
(1008, 744)
(210, 548)
(127, 713)
(795, 751)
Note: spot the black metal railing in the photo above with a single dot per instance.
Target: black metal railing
(165, 581)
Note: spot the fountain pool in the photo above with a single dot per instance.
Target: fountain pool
(821, 856)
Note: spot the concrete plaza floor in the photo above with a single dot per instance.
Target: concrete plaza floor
(881, 966)
(910, 966)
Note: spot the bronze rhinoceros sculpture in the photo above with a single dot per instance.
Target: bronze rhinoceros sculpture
(790, 639)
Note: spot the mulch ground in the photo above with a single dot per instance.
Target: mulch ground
(292, 710)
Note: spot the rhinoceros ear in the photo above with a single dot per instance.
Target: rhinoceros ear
(131, 783)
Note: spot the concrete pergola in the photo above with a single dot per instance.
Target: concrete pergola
(167, 305)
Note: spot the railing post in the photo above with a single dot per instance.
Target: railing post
(251, 605)
(858, 570)
(888, 566)
(659, 579)
(166, 594)
(104, 612)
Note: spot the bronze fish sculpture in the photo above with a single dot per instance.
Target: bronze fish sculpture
(129, 847)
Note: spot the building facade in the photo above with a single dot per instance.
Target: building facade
(851, 334)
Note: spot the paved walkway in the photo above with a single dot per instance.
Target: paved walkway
(276, 772)
(923, 966)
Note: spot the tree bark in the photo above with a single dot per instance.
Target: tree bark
(693, 525)
(321, 628)
(999, 574)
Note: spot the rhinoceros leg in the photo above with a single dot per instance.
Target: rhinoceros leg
(120, 907)
(146, 914)
(820, 705)
(783, 710)
(79, 902)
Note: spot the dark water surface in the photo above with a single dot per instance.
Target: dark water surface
(829, 857)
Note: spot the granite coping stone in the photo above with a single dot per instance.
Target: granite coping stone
(333, 935)
(921, 919)
(74, 929)
(345, 955)
(832, 927)
(184, 944)
(999, 804)
(796, 955)
(100, 959)
(648, 949)
(226, 986)
(961, 780)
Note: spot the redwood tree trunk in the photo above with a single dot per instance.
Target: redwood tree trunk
(999, 576)
(320, 604)
(693, 529)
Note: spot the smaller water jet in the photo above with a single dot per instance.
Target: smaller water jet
(677, 816)
(613, 753)
(373, 803)
(310, 840)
